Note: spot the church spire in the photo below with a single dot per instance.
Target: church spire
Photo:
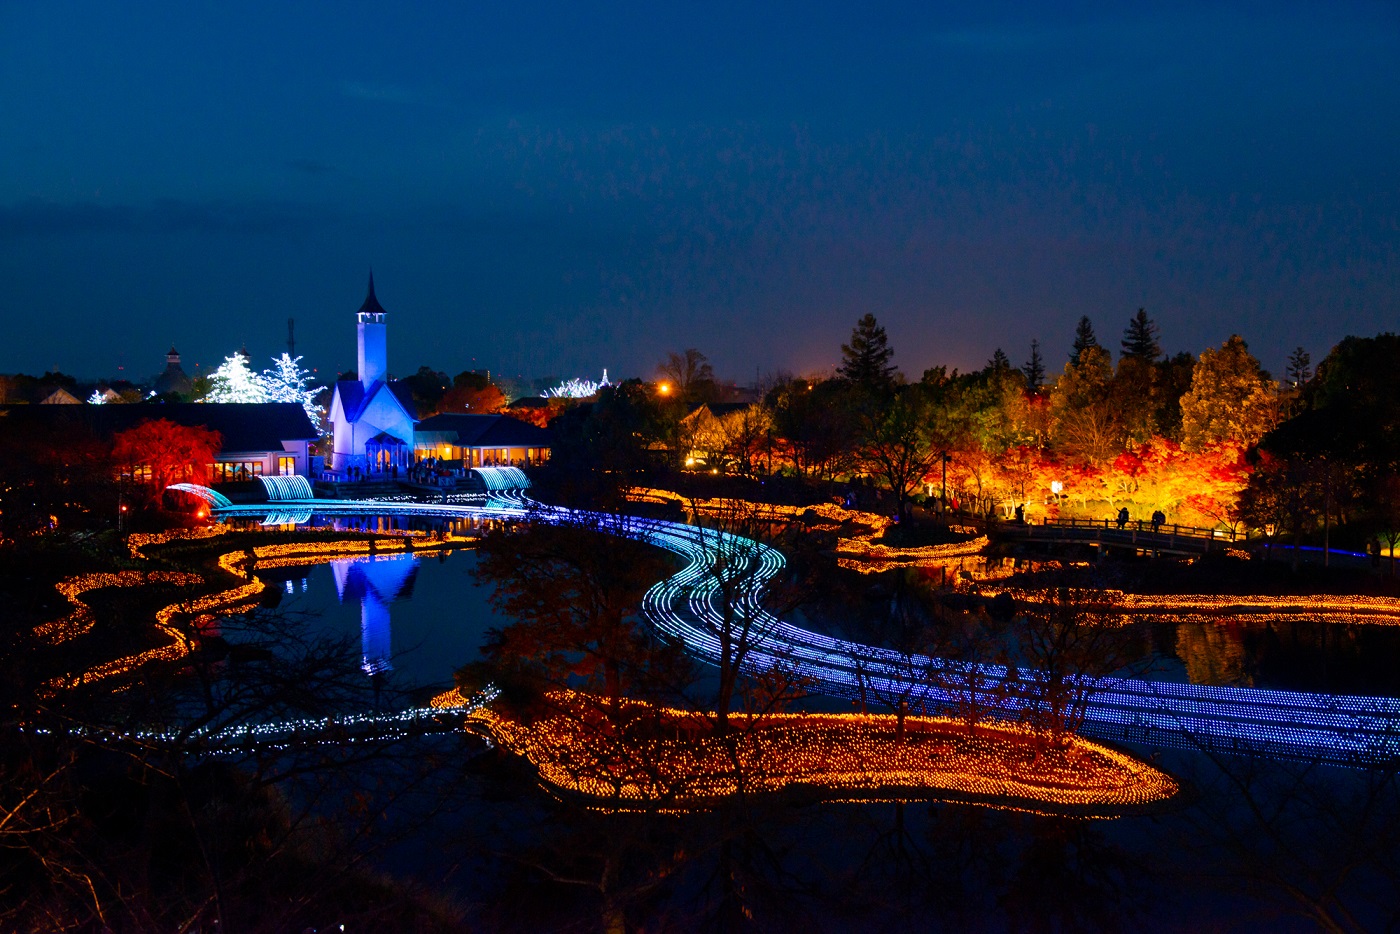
(371, 305)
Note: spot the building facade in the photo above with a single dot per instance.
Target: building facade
(371, 416)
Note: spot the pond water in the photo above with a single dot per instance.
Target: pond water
(1298, 654)
(417, 619)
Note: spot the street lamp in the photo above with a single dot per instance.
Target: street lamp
(945, 459)
(121, 501)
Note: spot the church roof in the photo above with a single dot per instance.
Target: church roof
(487, 431)
(354, 398)
(371, 305)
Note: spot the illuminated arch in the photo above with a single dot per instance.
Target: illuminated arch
(214, 498)
(280, 489)
(502, 479)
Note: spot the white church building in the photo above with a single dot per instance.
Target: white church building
(372, 415)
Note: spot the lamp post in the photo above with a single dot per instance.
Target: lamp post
(945, 459)
(121, 501)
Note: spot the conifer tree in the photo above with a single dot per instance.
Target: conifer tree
(1034, 368)
(1083, 339)
(866, 359)
(1299, 368)
(1140, 338)
(1000, 362)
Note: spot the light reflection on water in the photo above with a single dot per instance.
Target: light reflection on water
(419, 618)
(1242, 651)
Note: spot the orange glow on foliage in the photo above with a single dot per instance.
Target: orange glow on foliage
(672, 759)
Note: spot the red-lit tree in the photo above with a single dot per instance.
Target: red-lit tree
(159, 452)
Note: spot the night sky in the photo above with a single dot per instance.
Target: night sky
(558, 188)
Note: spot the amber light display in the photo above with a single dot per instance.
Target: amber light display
(1349, 608)
(177, 620)
(857, 551)
(638, 756)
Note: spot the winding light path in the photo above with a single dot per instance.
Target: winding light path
(727, 576)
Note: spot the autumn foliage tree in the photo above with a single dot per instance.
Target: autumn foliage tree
(161, 453)
(1086, 420)
(1231, 398)
(472, 394)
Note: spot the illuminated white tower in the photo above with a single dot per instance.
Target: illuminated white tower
(371, 415)
(374, 352)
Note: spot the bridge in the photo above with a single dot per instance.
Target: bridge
(1145, 536)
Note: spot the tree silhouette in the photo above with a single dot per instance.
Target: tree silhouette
(1140, 338)
(898, 444)
(1034, 368)
(866, 359)
(1299, 369)
(1083, 338)
(472, 393)
(573, 590)
(691, 375)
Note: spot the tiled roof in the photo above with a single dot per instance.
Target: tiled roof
(488, 431)
(245, 426)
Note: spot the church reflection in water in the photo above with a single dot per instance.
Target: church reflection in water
(376, 583)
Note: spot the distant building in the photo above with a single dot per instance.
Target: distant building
(259, 438)
(482, 440)
(371, 416)
(173, 379)
(60, 396)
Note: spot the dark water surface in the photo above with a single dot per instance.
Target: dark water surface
(417, 619)
(1247, 846)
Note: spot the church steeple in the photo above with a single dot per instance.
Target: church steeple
(371, 305)
(374, 353)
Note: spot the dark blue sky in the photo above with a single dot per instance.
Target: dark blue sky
(557, 188)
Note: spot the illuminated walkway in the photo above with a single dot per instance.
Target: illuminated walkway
(691, 606)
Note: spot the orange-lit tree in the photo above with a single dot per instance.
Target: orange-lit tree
(473, 394)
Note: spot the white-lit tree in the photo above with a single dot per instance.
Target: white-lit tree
(234, 382)
(97, 398)
(287, 382)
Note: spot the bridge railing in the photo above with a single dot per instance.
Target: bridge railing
(1171, 530)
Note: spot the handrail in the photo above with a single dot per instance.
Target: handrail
(1140, 525)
